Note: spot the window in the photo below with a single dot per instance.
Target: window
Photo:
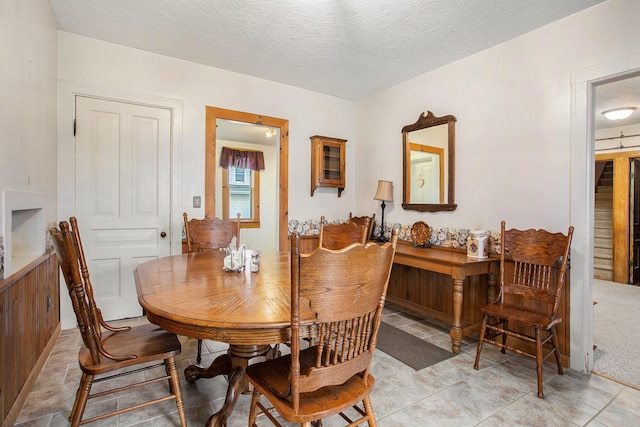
(241, 193)
(240, 177)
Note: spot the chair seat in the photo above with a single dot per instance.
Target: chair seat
(148, 342)
(322, 403)
(520, 314)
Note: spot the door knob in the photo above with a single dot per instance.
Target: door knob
(163, 234)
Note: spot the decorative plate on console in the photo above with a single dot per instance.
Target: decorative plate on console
(420, 233)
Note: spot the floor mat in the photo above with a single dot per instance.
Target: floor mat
(409, 349)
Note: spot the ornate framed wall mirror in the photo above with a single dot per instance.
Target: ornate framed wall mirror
(428, 165)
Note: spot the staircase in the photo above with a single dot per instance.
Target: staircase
(603, 226)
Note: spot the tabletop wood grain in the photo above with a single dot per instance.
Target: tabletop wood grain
(191, 294)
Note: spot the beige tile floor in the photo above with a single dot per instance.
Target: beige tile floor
(451, 393)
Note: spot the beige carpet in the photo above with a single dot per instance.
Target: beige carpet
(616, 331)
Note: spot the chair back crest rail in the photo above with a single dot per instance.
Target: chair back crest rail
(211, 233)
(338, 236)
(366, 221)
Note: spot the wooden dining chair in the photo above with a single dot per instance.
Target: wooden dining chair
(364, 220)
(210, 234)
(533, 265)
(347, 289)
(111, 353)
(338, 236)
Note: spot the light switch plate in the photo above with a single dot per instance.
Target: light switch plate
(196, 201)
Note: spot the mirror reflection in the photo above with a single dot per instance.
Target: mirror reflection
(427, 169)
(428, 164)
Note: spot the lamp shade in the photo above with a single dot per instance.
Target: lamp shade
(619, 113)
(384, 191)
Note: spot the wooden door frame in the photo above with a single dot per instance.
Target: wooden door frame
(621, 211)
(214, 113)
(634, 200)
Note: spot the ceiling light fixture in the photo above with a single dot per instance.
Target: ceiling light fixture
(619, 113)
(270, 132)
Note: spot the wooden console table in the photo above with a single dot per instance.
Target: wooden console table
(458, 266)
(449, 262)
(445, 284)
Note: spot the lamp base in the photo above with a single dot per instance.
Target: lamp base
(382, 239)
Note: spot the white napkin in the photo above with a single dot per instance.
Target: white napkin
(235, 258)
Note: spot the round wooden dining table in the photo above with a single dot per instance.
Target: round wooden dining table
(192, 295)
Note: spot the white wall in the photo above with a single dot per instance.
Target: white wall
(514, 158)
(512, 103)
(90, 62)
(28, 112)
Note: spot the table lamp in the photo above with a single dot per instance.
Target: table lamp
(384, 193)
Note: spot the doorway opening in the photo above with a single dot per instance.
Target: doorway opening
(616, 218)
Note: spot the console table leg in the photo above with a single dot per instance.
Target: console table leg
(456, 329)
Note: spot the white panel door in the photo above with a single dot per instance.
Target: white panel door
(122, 192)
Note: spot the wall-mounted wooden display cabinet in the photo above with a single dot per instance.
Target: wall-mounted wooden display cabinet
(327, 163)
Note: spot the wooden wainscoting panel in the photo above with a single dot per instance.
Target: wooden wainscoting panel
(431, 293)
(30, 309)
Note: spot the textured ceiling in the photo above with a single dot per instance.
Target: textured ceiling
(345, 48)
(616, 94)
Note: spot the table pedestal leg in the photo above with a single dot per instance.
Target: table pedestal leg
(235, 384)
(222, 365)
(456, 329)
(233, 363)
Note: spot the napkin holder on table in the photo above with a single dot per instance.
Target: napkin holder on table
(235, 259)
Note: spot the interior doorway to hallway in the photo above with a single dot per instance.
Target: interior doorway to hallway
(616, 229)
